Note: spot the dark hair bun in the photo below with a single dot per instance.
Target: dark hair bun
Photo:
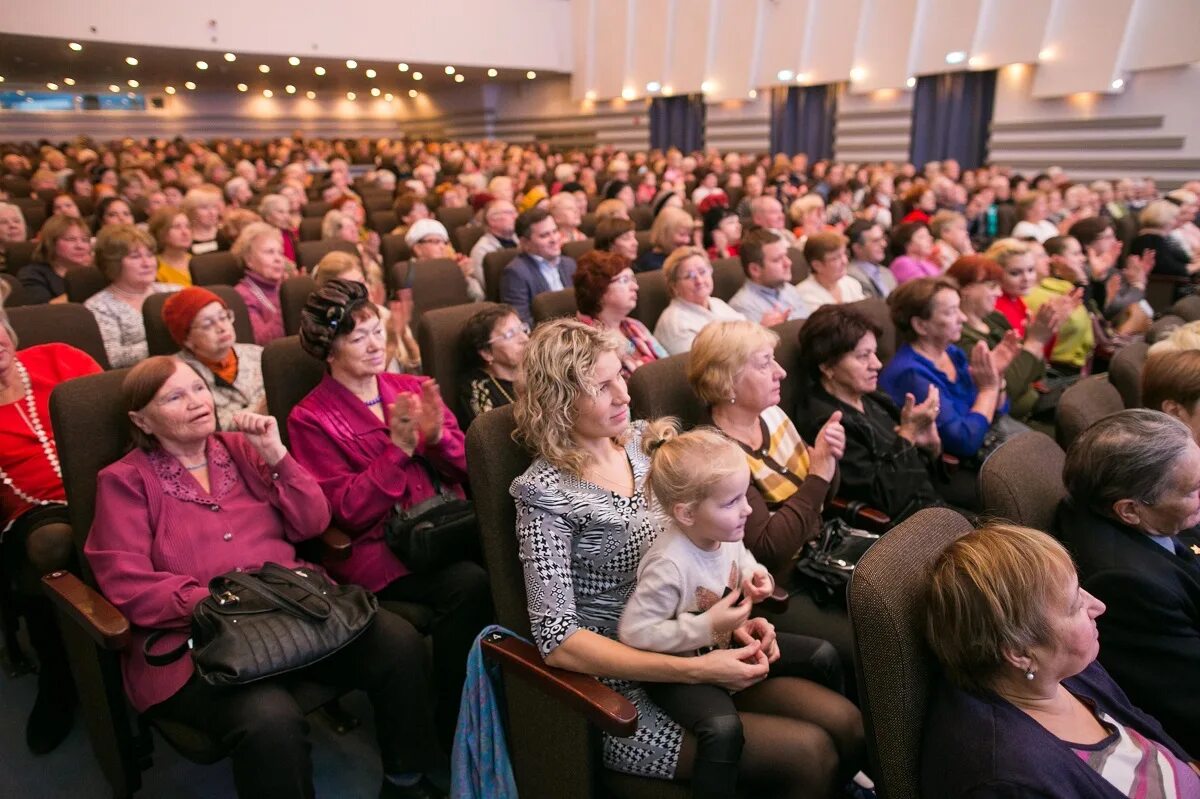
(329, 313)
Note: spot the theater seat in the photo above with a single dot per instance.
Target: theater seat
(310, 228)
(310, 253)
(800, 267)
(642, 217)
(1021, 482)
(493, 266)
(893, 664)
(216, 269)
(661, 388)
(159, 340)
(728, 277)
(289, 373)
(787, 354)
(653, 298)
(877, 311)
(1187, 309)
(576, 249)
(383, 222)
(553, 305)
(392, 250)
(18, 254)
(1163, 327)
(443, 354)
(84, 281)
(1083, 404)
(465, 237)
(65, 323)
(454, 218)
(435, 283)
(1125, 372)
(293, 294)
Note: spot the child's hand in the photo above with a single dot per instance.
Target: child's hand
(761, 630)
(729, 613)
(759, 584)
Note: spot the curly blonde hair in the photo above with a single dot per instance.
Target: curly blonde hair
(559, 363)
(685, 466)
(1004, 250)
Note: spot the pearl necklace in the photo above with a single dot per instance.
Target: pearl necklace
(35, 424)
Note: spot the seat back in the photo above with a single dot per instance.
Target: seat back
(18, 254)
(383, 222)
(215, 269)
(453, 218)
(392, 250)
(877, 311)
(661, 388)
(1163, 327)
(643, 240)
(494, 461)
(728, 277)
(642, 217)
(289, 373)
(493, 267)
(553, 305)
(787, 353)
(65, 323)
(1187, 309)
(465, 237)
(1021, 482)
(13, 292)
(800, 267)
(1084, 404)
(310, 253)
(158, 338)
(576, 249)
(653, 298)
(1125, 372)
(587, 223)
(84, 281)
(293, 294)
(316, 209)
(444, 355)
(435, 283)
(310, 228)
(892, 662)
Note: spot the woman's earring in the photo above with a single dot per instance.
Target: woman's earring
(1029, 673)
(733, 399)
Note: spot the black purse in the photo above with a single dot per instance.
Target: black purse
(436, 532)
(255, 625)
(827, 562)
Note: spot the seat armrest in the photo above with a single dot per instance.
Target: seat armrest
(601, 705)
(335, 545)
(103, 623)
(859, 513)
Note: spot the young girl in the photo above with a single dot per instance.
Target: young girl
(695, 589)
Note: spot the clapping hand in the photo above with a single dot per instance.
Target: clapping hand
(760, 630)
(983, 369)
(776, 316)
(1004, 352)
(918, 423)
(263, 434)
(415, 417)
(759, 584)
(828, 447)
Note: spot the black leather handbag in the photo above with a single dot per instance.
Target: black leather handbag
(436, 532)
(827, 562)
(255, 625)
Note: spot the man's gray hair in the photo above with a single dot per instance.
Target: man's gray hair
(1126, 455)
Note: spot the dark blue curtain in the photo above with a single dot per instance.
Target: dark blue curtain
(951, 117)
(802, 120)
(677, 122)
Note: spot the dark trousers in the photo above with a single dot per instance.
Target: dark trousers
(264, 727)
(21, 594)
(461, 600)
(708, 711)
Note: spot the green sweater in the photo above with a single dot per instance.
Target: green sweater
(1025, 369)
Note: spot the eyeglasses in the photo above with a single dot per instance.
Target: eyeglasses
(695, 274)
(213, 322)
(510, 334)
(433, 241)
(624, 280)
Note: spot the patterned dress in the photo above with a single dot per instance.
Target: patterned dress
(580, 546)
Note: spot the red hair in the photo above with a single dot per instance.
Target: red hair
(594, 273)
(974, 269)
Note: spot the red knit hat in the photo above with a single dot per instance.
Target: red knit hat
(181, 308)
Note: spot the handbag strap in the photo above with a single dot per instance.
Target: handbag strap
(167, 657)
(255, 584)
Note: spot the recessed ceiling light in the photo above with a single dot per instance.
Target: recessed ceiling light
(69, 81)
(268, 93)
(1118, 84)
(706, 86)
(1, 79)
(133, 84)
(590, 94)
(351, 96)
(112, 87)
(955, 57)
(370, 73)
(310, 95)
(417, 76)
(911, 82)
(459, 78)
(785, 74)
(402, 67)
(230, 57)
(290, 89)
(169, 90)
(803, 77)
(389, 97)
(531, 74)
(492, 73)
(412, 92)
(375, 92)
(201, 65)
(241, 87)
(752, 94)
(857, 74)
(1047, 53)
(653, 86)
(449, 70)
(130, 95)
(264, 69)
(294, 61)
(351, 63)
(131, 61)
(76, 46)
(318, 70)
(628, 93)
(190, 86)
(52, 86)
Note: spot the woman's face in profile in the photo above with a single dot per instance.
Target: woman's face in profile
(603, 412)
(1075, 640)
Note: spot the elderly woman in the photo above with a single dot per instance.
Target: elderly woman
(690, 283)
(259, 248)
(606, 292)
(497, 338)
(829, 281)
(402, 352)
(1133, 485)
(378, 441)
(203, 205)
(202, 325)
(12, 229)
(1025, 709)
(672, 228)
(188, 504)
(951, 240)
(565, 211)
(891, 451)
(125, 255)
(913, 244)
(33, 515)
(1157, 220)
(617, 235)
(970, 389)
(1033, 215)
(341, 225)
(583, 523)
(428, 239)
(65, 243)
(111, 211)
(276, 210)
(172, 234)
(1171, 379)
(1020, 275)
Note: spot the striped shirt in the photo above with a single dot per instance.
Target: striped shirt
(1137, 766)
(781, 464)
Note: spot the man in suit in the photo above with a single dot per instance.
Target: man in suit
(1133, 481)
(541, 266)
(868, 244)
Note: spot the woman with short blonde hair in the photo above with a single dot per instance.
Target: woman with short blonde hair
(203, 205)
(673, 227)
(259, 248)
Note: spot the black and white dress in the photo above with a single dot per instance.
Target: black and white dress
(580, 546)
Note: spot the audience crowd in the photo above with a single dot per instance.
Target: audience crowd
(931, 315)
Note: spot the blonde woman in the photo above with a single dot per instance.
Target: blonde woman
(259, 248)
(583, 524)
(672, 228)
(403, 356)
(172, 234)
(689, 277)
(203, 205)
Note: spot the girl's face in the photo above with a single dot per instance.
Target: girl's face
(1020, 275)
(719, 517)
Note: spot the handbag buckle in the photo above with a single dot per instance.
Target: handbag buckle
(227, 598)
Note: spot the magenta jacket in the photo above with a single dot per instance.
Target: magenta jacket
(905, 269)
(364, 475)
(158, 538)
(263, 303)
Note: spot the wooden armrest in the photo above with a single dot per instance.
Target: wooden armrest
(601, 705)
(335, 545)
(103, 623)
(859, 513)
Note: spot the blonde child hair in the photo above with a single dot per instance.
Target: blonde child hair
(685, 466)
